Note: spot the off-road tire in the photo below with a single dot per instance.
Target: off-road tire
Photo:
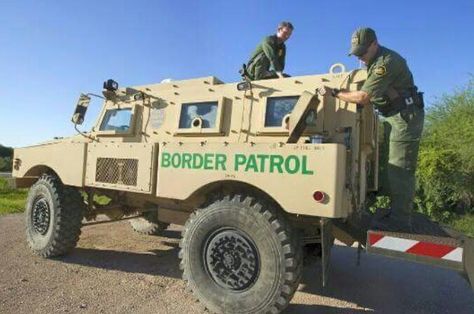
(53, 215)
(240, 255)
(149, 224)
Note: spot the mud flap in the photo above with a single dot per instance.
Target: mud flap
(327, 241)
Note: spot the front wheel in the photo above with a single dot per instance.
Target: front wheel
(54, 215)
(240, 256)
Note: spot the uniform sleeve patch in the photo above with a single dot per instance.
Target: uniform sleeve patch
(380, 70)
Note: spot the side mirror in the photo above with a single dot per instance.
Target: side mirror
(81, 109)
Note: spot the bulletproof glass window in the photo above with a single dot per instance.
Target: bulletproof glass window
(118, 120)
(277, 108)
(204, 113)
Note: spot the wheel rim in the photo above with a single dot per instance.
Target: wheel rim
(41, 215)
(231, 259)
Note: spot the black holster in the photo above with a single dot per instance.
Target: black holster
(407, 100)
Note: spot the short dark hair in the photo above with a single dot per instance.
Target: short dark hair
(286, 24)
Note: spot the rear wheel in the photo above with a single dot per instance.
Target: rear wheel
(149, 224)
(240, 256)
(54, 215)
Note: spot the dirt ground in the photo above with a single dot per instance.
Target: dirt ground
(114, 270)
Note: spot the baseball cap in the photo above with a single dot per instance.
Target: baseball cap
(361, 40)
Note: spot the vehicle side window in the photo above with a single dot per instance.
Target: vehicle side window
(205, 111)
(277, 108)
(118, 120)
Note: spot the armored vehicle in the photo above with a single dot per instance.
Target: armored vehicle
(254, 171)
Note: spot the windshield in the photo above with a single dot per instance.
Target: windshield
(117, 120)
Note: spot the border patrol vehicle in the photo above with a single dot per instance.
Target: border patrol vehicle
(254, 171)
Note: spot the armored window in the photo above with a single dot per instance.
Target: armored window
(117, 120)
(277, 109)
(200, 117)
(204, 112)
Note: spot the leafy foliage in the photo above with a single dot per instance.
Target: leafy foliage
(5, 151)
(6, 154)
(464, 224)
(5, 164)
(446, 161)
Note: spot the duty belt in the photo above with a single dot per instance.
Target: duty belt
(407, 100)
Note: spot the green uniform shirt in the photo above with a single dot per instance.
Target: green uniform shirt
(268, 56)
(387, 69)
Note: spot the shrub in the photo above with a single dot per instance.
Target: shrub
(446, 161)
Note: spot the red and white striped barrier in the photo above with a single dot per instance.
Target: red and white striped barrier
(415, 247)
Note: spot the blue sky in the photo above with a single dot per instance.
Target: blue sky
(51, 51)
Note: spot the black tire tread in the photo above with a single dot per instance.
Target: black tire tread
(288, 237)
(69, 212)
(152, 227)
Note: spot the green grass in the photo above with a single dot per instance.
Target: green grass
(102, 200)
(11, 200)
(464, 224)
(14, 200)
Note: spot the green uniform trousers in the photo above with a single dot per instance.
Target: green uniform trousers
(398, 158)
(259, 69)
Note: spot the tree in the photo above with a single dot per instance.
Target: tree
(6, 151)
(6, 155)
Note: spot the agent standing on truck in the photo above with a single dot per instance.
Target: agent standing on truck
(268, 59)
(390, 88)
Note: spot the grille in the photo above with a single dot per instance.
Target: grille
(117, 171)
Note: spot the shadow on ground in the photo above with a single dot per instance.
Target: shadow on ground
(383, 285)
(155, 262)
(171, 234)
(378, 285)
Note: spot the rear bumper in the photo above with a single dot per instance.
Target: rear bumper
(456, 253)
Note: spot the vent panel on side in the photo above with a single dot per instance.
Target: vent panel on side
(117, 171)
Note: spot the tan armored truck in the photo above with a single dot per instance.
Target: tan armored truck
(254, 171)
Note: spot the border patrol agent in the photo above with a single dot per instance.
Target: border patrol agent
(268, 59)
(390, 88)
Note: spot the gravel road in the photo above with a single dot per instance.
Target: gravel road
(114, 270)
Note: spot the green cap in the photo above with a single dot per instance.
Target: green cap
(361, 40)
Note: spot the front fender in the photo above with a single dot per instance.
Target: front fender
(66, 159)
